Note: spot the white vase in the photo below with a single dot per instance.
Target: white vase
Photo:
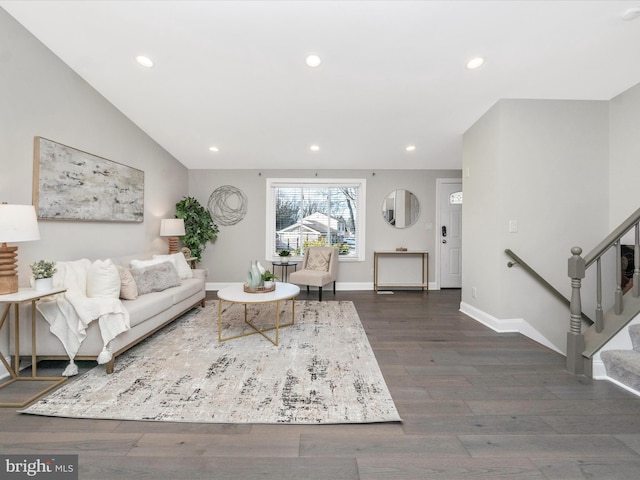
(284, 259)
(43, 284)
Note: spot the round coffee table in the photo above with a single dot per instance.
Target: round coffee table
(236, 294)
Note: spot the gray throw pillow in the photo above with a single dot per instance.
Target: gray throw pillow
(155, 278)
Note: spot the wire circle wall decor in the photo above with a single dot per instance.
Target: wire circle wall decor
(227, 205)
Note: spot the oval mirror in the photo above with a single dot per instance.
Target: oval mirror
(401, 208)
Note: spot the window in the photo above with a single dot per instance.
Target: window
(308, 212)
(455, 198)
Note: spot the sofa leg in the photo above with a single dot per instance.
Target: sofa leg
(307, 288)
(109, 366)
(319, 294)
(334, 287)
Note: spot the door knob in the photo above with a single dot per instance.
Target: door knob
(444, 240)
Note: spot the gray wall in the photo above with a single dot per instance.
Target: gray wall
(544, 164)
(227, 260)
(41, 96)
(624, 171)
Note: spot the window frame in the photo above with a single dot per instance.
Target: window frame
(359, 183)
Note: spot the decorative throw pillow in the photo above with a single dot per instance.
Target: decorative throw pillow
(128, 287)
(318, 260)
(180, 262)
(145, 263)
(155, 278)
(103, 280)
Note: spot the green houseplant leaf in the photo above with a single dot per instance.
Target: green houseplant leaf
(198, 226)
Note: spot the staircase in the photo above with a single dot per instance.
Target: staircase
(624, 365)
(586, 338)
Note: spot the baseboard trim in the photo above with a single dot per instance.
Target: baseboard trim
(343, 286)
(512, 325)
(616, 382)
(598, 369)
(600, 373)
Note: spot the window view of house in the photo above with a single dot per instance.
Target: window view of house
(313, 215)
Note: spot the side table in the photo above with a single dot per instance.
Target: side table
(24, 295)
(285, 268)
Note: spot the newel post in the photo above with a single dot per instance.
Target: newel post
(575, 338)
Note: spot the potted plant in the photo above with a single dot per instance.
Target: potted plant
(42, 272)
(284, 256)
(198, 226)
(268, 278)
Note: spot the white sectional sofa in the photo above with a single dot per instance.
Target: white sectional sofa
(148, 313)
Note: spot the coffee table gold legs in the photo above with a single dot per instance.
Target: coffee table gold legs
(278, 326)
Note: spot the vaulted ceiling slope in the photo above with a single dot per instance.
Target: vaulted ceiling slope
(232, 74)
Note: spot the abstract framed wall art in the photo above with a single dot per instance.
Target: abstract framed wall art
(69, 184)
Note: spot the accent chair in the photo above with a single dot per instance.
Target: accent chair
(319, 268)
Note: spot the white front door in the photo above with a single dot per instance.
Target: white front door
(449, 233)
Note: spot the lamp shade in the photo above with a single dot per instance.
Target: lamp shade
(172, 227)
(18, 223)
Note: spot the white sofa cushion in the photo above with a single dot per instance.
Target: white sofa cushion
(147, 306)
(145, 263)
(180, 262)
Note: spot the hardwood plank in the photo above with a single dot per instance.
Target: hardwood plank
(576, 424)
(581, 468)
(420, 468)
(98, 443)
(350, 445)
(196, 445)
(475, 424)
(536, 446)
(217, 468)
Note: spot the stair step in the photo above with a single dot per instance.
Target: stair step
(634, 333)
(612, 324)
(623, 366)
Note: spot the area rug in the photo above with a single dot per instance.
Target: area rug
(322, 371)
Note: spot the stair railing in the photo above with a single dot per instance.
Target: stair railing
(550, 288)
(577, 267)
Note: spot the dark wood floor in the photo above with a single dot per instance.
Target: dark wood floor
(475, 404)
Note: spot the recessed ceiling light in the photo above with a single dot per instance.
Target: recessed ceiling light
(410, 148)
(144, 61)
(214, 149)
(313, 60)
(315, 148)
(475, 63)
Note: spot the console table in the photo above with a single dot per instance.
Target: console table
(422, 256)
(24, 295)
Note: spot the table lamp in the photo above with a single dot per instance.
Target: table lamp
(172, 228)
(18, 223)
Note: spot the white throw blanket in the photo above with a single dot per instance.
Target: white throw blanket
(70, 313)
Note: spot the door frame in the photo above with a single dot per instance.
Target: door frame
(439, 183)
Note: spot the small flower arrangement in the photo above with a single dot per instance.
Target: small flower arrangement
(43, 269)
(284, 253)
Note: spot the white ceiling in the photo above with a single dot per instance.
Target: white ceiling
(232, 73)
